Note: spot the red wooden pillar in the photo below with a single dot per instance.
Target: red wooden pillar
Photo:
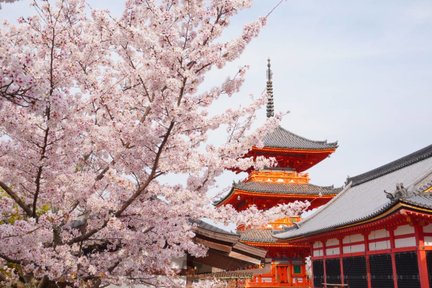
(393, 259)
(324, 262)
(341, 260)
(368, 272)
(290, 271)
(421, 257)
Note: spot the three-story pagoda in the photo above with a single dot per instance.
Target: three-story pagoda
(286, 182)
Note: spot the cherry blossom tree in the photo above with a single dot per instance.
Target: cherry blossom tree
(95, 111)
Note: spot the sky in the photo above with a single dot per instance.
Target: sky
(356, 72)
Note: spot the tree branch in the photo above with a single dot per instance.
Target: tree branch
(152, 173)
(8, 259)
(16, 198)
(138, 192)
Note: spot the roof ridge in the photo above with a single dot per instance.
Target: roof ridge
(390, 167)
(304, 138)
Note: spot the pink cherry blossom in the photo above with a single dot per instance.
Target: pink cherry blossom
(94, 110)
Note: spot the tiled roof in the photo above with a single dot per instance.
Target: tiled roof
(227, 275)
(392, 166)
(423, 200)
(283, 188)
(367, 199)
(418, 197)
(204, 225)
(281, 138)
(257, 235)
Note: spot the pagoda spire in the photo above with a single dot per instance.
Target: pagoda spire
(270, 103)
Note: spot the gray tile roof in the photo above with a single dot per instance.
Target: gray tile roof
(421, 200)
(418, 197)
(281, 138)
(284, 188)
(367, 199)
(392, 166)
(204, 225)
(281, 189)
(226, 275)
(257, 235)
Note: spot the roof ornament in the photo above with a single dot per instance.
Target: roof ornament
(399, 193)
(270, 103)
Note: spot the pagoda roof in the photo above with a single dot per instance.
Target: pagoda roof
(282, 138)
(286, 188)
(372, 195)
(277, 189)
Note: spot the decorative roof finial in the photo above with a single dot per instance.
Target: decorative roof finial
(270, 104)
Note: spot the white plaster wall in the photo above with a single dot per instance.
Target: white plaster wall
(404, 229)
(382, 233)
(380, 245)
(405, 242)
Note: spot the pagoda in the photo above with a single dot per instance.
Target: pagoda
(285, 183)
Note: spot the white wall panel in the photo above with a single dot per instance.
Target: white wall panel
(405, 242)
(317, 244)
(332, 242)
(404, 229)
(382, 233)
(427, 228)
(353, 238)
(380, 245)
(332, 251)
(428, 240)
(354, 248)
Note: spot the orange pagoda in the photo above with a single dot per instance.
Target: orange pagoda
(287, 182)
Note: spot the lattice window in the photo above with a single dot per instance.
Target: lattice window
(381, 271)
(355, 273)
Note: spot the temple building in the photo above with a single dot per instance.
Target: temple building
(377, 232)
(284, 264)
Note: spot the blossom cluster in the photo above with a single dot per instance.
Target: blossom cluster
(93, 111)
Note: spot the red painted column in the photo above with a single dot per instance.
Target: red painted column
(324, 261)
(341, 260)
(421, 257)
(393, 259)
(368, 273)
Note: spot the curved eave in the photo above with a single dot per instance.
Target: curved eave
(298, 159)
(379, 215)
(236, 192)
(286, 150)
(280, 137)
(273, 244)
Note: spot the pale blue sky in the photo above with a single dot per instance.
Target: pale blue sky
(358, 72)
